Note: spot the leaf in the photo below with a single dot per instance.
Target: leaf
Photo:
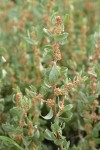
(66, 17)
(2, 50)
(8, 127)
(48, 48)
(47, 32)
(96, 129)
(64, 119)
(97, 140)
(55, 127)
(54, 74)
(1, 107)
(26, 141)
(92, 73)
(66, 144)
(4, 73)
(98, 88)
(33, 88)
(64, 70)
(37, 134)
(83, 96)
(67, 118)
(3, 59)
(43, 90)
(61, 37)
(58, 141)
(29, 40)
(47, 85)
(84, 79)
(47, 56)
(49, 115)
(16, 112)
(7, 139)
(66, 108)
(48, 135)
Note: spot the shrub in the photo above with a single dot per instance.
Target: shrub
(50, 75)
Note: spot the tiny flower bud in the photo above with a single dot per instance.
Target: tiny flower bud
(50, 102)
(61, 105)
(18, 96)
(22, 123)
(91, 143)
(95, 103)
(69, 86)
(59, 19)
(57, 91)
(88, 127)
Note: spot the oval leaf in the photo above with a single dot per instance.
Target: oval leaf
(66, 108)
(61, 37)
(47, 32)
(54, 74)
(48, 135)
(49, 115)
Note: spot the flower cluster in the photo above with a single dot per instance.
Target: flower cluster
(50, 102)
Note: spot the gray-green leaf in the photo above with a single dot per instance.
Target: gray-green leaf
(54, 74)
(49, 115)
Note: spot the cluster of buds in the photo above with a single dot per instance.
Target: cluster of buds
(50, 102)
(61, 105)
(95, 117)
(83, 41)
(88, 127)
(95, 104)
(23, 61)
(33, 35)
(30, 128)
(26, 109)
(25, 115)
(97, 51)
(37, 59)
(57, 29)
(22, 123)
(18, 99)
(18, 138)
(46, 18)
(59, 20)
(57, 54)
(77, 82)
(93, 86)
(91, 143)
(69, 86)
(70, 27)
(89, 6)
(93, 82)
(58, 91)
(36, 54)
(86, 114)
(38, 97)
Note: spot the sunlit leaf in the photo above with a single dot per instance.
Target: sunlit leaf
(49, 115)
